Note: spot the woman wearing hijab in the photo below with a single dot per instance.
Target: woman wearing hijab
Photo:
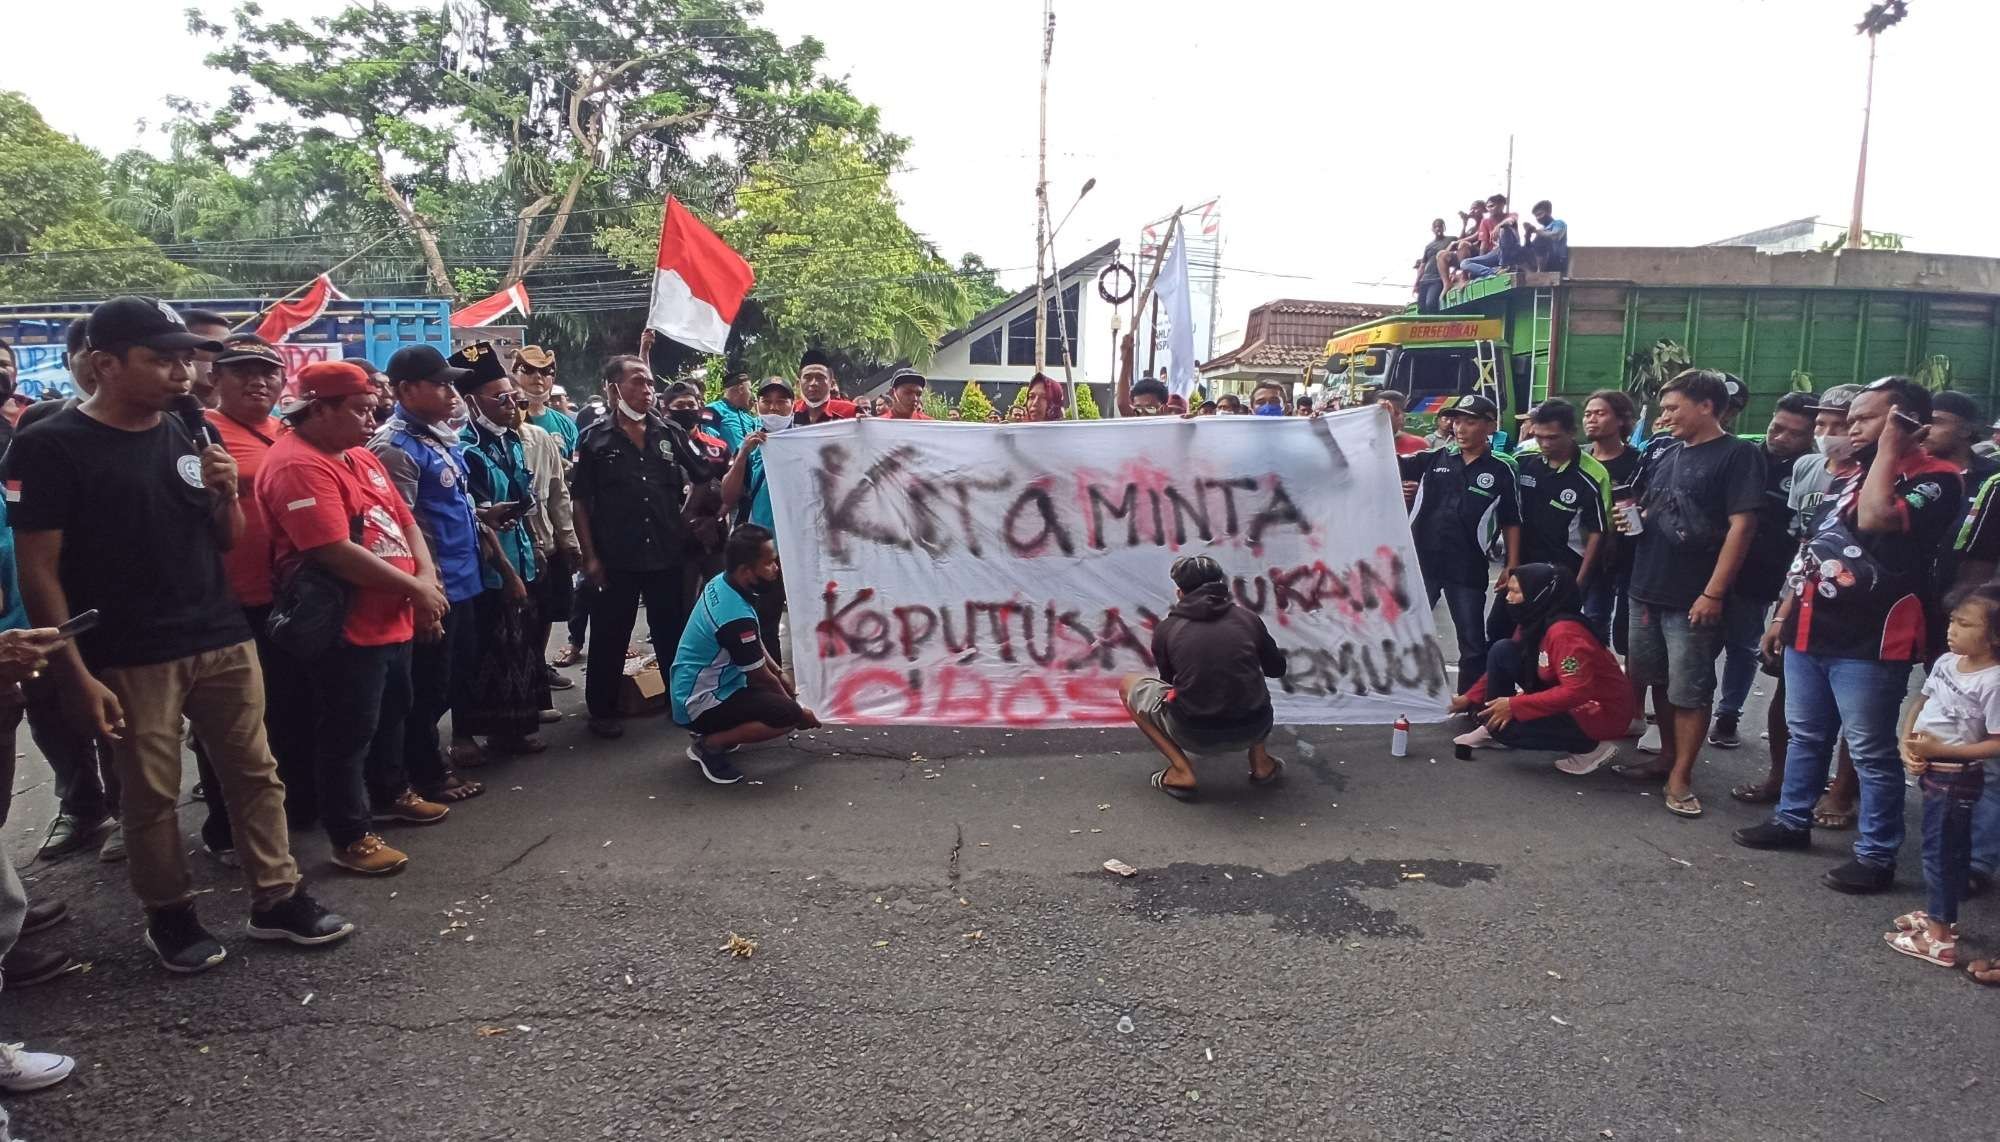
(1574, 699)
(1045, 399)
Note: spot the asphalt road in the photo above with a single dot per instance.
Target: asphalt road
(1375, 949)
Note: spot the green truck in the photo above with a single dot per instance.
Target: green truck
(1775, 320)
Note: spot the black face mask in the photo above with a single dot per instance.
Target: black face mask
(685, 417)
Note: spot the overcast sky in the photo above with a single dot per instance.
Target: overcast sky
(1333, 131)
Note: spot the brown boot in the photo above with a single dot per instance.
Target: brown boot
(412, 809)
(370, 857)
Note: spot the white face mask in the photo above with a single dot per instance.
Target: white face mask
(626, 410)
(811, 403)
(482, 421)
(777, 421)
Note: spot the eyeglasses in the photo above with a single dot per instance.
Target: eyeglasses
(507, 400)
(550, 371)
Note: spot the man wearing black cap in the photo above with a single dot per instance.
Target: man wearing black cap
(1853, 625)
(817, 404)
(1957, 425)
(1465, 515)
(122, 513)
(906, 396)
(633, 470)
(426, 461)
(503, 701)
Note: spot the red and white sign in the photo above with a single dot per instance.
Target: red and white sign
(484, 313)
(698, 284)
(288, 317)
(962, 575)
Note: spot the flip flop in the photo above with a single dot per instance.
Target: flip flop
(1755, 793)
(1833, 818)
(1176, 792)
(1985, 973)
(1277, 771)
(1687, 806)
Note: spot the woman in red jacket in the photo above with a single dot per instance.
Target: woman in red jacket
(1575, 698)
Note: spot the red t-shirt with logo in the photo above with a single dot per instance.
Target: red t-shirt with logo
(310, 499)
(248, 564)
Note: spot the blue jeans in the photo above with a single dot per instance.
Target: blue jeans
(1557, 733)
(1485, 265)
(1468, 619)
(1609, 608)
(1859, 700)
(361, 701)
(1742, 629)
(1986, 825)
(1948, 807)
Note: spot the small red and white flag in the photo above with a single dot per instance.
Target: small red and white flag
(698, 284)
(481, 313)
(288, 317)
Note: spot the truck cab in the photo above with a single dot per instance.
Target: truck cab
(1428, 358)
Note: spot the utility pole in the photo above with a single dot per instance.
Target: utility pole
(1042, 194)
(1509, 192)
(1878, 19)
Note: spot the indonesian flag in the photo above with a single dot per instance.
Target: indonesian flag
(698, 284)
(481, 313)
(288, 317)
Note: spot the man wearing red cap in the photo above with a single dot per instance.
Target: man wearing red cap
(333, 511)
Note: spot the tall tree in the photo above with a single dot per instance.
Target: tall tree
(567, 106)
(836, 264)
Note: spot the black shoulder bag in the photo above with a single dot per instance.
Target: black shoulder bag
(309, 607)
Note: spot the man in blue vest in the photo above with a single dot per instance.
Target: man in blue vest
(427, 463)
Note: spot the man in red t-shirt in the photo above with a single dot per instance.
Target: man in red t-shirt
(329, 503)
(817, 404)
(1406, 442)
(906, 396)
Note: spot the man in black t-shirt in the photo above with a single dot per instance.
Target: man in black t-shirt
(122, 513)
(1464, 511)
(1762, 578)
(1698, 497)
(1852, 625)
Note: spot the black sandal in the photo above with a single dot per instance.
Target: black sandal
(1277, 771)
(1176, 792)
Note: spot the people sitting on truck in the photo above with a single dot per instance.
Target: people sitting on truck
(1505, 255)
(1469, 219)
(1430, 269)
(1547, 247)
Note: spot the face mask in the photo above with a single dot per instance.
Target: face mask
(777, 421)
(1270, 410)
(626, 410)
(685, 417)
(486, 423)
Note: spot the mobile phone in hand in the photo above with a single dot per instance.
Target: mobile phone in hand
(78, 624)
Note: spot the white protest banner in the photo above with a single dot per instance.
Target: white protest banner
(972, 575)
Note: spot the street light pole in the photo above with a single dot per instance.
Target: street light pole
(1042, 194)
(1878, 19)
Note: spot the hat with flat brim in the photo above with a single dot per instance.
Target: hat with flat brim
(142, 321)
(908, 377)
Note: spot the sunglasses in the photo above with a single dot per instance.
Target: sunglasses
(540, 372)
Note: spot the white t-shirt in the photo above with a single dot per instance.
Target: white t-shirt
(1960, 708)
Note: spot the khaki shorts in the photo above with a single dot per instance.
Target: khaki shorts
(1148, 706)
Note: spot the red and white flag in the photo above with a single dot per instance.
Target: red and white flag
(288, 317)
(481, 313)
(698, 284)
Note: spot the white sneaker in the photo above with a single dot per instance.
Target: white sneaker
(114, 846)
(22, 1071)
(1578, 764)
(1479, 737)
(1650, 742)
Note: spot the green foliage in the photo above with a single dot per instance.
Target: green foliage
(1020, 398)
(973, 405)
(1802, 382)
(836, 264)
(1646, 372)
(1086, 404)
(1934, 374)
(715, 373)
(935, 406)
(53, 203)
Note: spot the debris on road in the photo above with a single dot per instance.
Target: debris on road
(1559, 1021)
(490, 1032)
(308, 999)
(1120, 867)
(1413, 876)
(739, 946)
(1124, 1024)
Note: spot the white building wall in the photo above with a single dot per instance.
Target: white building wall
(1096, 349)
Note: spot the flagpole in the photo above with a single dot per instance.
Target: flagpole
(1042, 192)
(307, 284)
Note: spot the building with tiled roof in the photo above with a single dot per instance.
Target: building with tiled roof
(1281, 340)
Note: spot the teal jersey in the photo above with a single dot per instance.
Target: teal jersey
(720, 643)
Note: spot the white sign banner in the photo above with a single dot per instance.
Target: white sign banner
(971, 575)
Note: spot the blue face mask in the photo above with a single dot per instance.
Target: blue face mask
(1269, 410)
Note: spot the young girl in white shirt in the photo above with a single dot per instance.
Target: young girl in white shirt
(1948, 736)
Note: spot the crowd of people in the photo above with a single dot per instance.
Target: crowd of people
(295, 579)
(1491, 239)
(1835, 551)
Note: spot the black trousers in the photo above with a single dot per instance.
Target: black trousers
(362, 697)
(612, 613)
(433, 667)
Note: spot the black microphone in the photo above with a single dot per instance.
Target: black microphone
(188, 407)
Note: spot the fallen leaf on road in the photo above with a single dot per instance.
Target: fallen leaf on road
(738, 946)
(979, 935)
(881, 943)
(489, 1032)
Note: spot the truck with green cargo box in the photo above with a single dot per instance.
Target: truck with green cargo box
(1775, 320)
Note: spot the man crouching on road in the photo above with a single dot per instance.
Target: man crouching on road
(1210, 697)
(726, 689)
